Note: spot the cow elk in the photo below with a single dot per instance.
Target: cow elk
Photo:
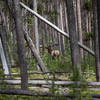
(52, 52)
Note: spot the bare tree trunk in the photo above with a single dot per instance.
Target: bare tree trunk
(35, 53)
(59, 25)
(12, 14)
(21, 45)
(79, 25)
(36, 29)
(62, 27)
(73, 35)
(13, 34)
(36, 26)
(43, 35)
(4, 39)
(66, 20)
(96, 13)
(90, 29)
(3, 59)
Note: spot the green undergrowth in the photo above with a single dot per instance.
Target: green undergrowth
(62, 63)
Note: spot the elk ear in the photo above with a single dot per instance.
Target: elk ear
(49, 46)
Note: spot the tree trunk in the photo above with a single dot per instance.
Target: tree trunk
(73, 35)
(35, 53)
(62, 27)
(3, 59)
(59, 25)
(36, 29)
(3, 33)
(21, 46)
(36, 26)
(96, 15)
(79, 25)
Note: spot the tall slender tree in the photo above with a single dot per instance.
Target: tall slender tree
(73, 34)
(62, 26)
(36, 26)
(21, 45)
(79, 22)
(96, 15)
(3, 33)
(36, 29)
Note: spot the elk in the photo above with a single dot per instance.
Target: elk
(52, 52)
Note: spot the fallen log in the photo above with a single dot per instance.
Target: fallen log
(49, 82)
(31, 93)
(64, 88)
(22, 92)
(35, 53)
(48, 72)
(34, 93)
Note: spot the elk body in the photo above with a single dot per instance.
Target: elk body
(52, 52)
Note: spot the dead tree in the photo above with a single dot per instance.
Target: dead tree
(35, 53)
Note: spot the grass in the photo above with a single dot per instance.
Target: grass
(58, 64)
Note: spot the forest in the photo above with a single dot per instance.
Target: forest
(49, 49)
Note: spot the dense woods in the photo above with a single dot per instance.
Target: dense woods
(49, 49)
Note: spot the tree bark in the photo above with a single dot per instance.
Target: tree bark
(3, 59)
(73, 35)
(36, 30)
(21, 45)
(36, 26)
(96, 15)
(38, 82)
(3, 33)
(35, 53)
(59, 25)
(79, 25)
(34, 93)
(62, 27)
